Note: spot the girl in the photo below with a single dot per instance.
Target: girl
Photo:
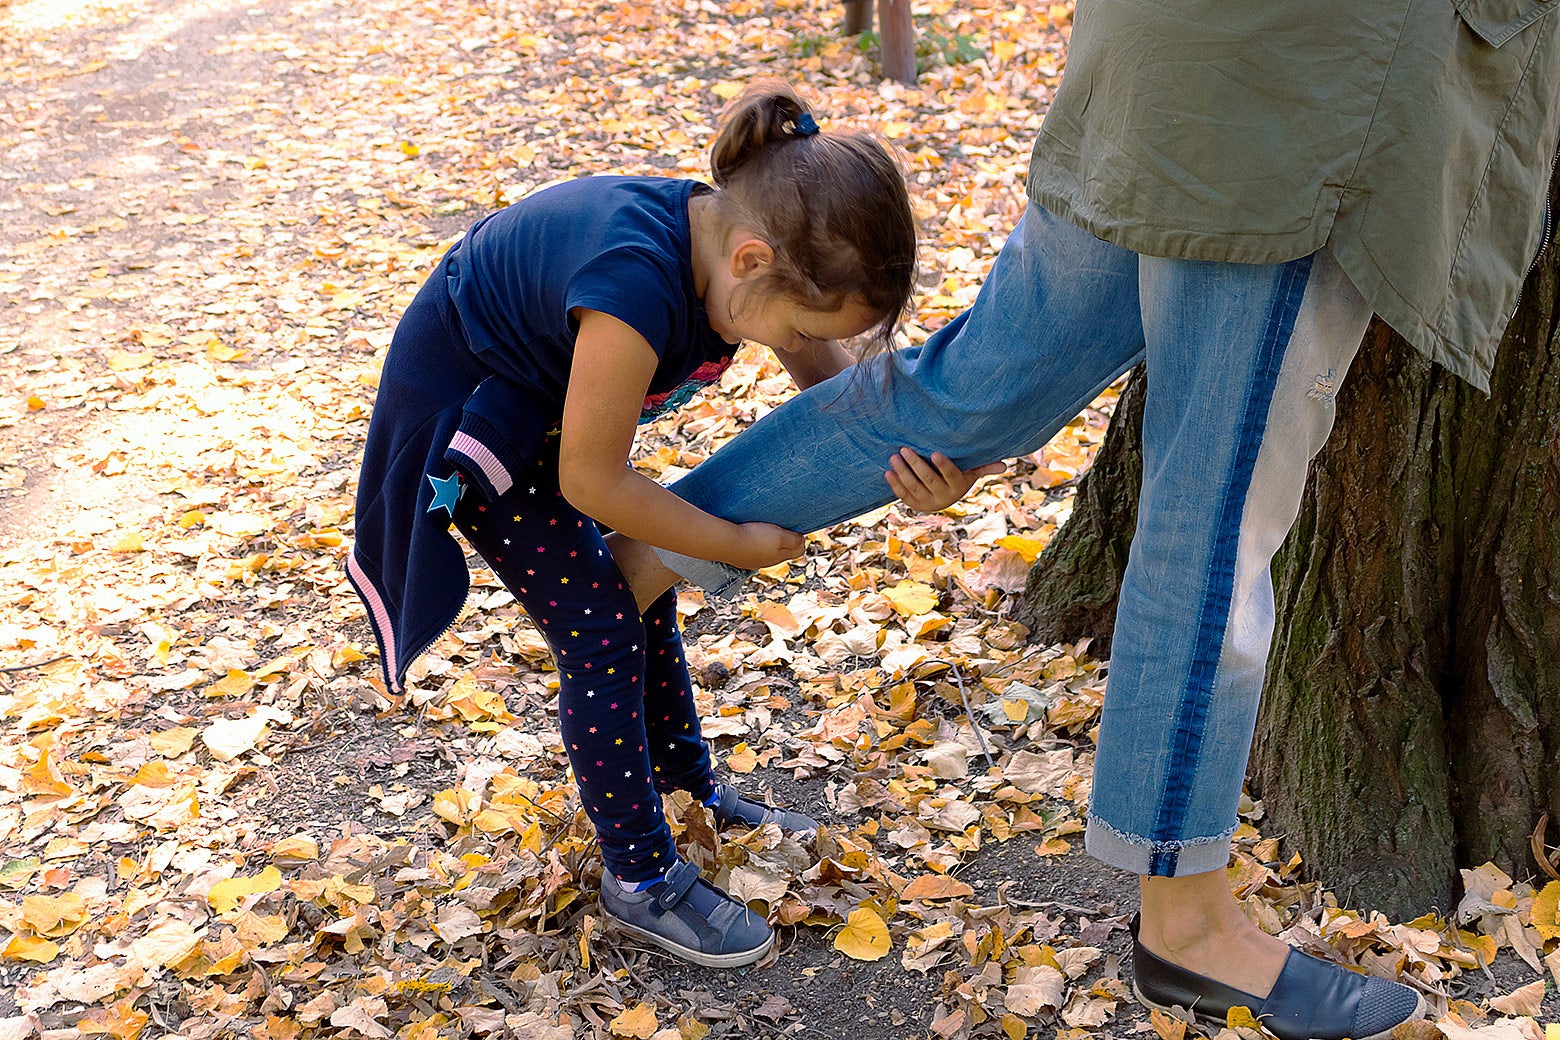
(508, 406)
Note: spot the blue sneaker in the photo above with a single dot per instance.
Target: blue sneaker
(733, 807)
(690, 918)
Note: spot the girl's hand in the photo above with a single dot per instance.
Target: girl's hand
(763, 545)
(934, 485)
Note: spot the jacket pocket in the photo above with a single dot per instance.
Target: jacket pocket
(1496, 21)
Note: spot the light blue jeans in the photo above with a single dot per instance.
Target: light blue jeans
(1244, 361)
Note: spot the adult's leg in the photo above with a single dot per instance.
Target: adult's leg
(1243, 365)
(1055, 322)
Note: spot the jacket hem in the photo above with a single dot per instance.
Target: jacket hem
(378, 619)
(1181, 244)
(1391, 307)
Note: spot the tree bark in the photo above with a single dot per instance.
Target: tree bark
(858, 17)
(1411, 716)
(896, 31)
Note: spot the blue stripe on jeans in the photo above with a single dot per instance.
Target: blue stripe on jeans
(1191, 715)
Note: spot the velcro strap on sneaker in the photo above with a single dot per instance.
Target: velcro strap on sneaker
(679, 880)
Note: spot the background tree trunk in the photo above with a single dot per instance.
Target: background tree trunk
(1411, 719)
(858, 17)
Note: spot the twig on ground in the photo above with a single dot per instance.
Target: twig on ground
(35, 664)
(970, 714)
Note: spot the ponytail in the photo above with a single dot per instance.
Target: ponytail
(766, 113)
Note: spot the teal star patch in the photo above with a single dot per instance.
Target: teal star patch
(446, 492)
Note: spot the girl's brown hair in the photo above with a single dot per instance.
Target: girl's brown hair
(831, 204)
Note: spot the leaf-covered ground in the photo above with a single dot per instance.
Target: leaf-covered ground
(214, 822)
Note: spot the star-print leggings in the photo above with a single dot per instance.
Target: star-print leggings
(625, 702)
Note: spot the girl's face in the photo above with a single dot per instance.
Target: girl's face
(739, 309)
(782, 324)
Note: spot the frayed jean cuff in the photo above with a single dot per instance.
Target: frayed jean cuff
(1157, 858)
(720, 580)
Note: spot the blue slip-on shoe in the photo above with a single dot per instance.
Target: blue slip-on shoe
(690, 918)
(1312, 999)
(733, 807)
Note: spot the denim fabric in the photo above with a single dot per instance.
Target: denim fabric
(1233, 352)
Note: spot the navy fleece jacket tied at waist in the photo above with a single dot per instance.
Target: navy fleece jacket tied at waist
(438, 411)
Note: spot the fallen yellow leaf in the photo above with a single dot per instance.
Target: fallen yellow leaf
(226, 895)
(300, 847)
(455, 804)
(1027, 547)
(742, 759)
(54, 915)
(864, 937)
(935, 886)
(1167, 1026)
(122, 1021)
(130, 543)
(154, 774)
(171, 743)
(1240, 1017)
(167, 942)
(260, 929)
(638, 1022)
(235, 683)
(1545, 915)
(219, 351)
(910, 598)
(33, 948)
(226, 739)
(586, 928)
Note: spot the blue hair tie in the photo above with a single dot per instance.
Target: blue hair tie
(804, 125)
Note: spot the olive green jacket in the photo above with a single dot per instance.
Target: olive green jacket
(1415, 138)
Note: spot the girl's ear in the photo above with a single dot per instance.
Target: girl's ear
(751, 256)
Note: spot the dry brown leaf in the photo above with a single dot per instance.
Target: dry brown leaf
(1035, 989)
(1526, 1000)
(166, 943)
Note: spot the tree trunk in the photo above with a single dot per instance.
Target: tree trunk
(1411, 717)
(896, 31)
(858, 17)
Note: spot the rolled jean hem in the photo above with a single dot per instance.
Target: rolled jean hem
(720, 580)
(1156, 858)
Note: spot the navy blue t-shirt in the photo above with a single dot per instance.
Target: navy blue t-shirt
(619, 245)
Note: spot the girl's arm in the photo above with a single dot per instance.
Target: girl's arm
(932, 485)
(611, 372)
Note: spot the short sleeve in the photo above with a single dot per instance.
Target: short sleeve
(634, 288)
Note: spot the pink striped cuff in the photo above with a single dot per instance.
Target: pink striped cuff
(477, 452)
